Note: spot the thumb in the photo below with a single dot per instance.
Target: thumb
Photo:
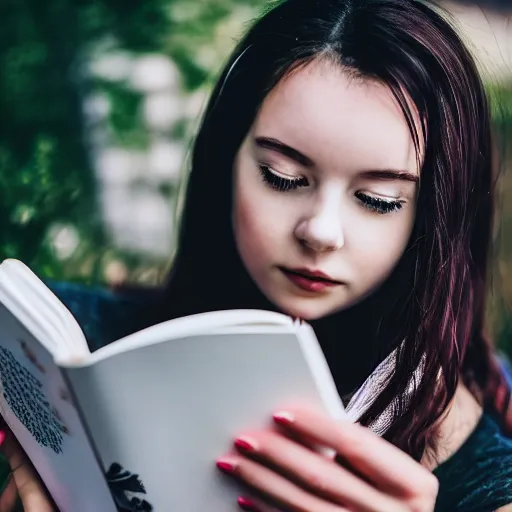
(24, 484)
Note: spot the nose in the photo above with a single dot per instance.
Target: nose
(322, 230)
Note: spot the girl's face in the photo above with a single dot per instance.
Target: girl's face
(325, 191)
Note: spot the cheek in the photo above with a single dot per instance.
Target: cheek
(243, 216)
(252, 230)
(380, 248)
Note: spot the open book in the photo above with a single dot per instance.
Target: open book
(138, 424)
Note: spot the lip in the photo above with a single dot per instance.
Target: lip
(310, 280)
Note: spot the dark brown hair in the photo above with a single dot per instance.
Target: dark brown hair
(432, 307)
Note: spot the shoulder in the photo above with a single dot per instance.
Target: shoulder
(478, 476)
(106, 315)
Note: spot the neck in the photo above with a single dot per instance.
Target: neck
(351, 345)
(454, 428)
(356, 340)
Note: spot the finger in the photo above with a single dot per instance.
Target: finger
(254, 505)
(9, 496)
(390, 469)
(314, 472)
(277, 488)
(24, 478)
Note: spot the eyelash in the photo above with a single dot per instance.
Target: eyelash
(377, 205)
(282, 184)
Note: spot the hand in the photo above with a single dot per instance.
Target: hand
(24, 485)
(297, 478)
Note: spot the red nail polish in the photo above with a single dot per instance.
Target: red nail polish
(283, 418)
(244, 445)
(247, 504)
(2, 437)
(226, 466)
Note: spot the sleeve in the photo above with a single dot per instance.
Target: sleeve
(106, 316)
(94, 309)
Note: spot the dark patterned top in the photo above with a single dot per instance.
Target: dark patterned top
(477, 478)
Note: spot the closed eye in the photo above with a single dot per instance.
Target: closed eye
(279, 182)
(379, 205)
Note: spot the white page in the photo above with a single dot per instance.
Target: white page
(210, 322)
(53, 437)
(165, 412)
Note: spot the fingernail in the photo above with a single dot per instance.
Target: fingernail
(247, 504)
(226, 466)
(283, 418)
(245, 445)
(2, 437)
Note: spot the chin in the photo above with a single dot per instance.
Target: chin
(307, 312)
(310, 309)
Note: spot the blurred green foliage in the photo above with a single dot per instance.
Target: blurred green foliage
(46, 174)
(45, 170)
(500, 286)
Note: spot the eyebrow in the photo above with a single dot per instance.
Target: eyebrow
(294, 154)
(284, 149)
(391, 174)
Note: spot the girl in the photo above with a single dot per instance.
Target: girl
(343, 174)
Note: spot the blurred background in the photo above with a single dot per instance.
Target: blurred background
(98, 103)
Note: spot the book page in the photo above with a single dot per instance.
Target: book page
(210, 322)
(37, 406)
(160, 415)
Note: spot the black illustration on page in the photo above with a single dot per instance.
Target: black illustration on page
(126, 488)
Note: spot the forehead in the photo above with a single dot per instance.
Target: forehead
(335, 118)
